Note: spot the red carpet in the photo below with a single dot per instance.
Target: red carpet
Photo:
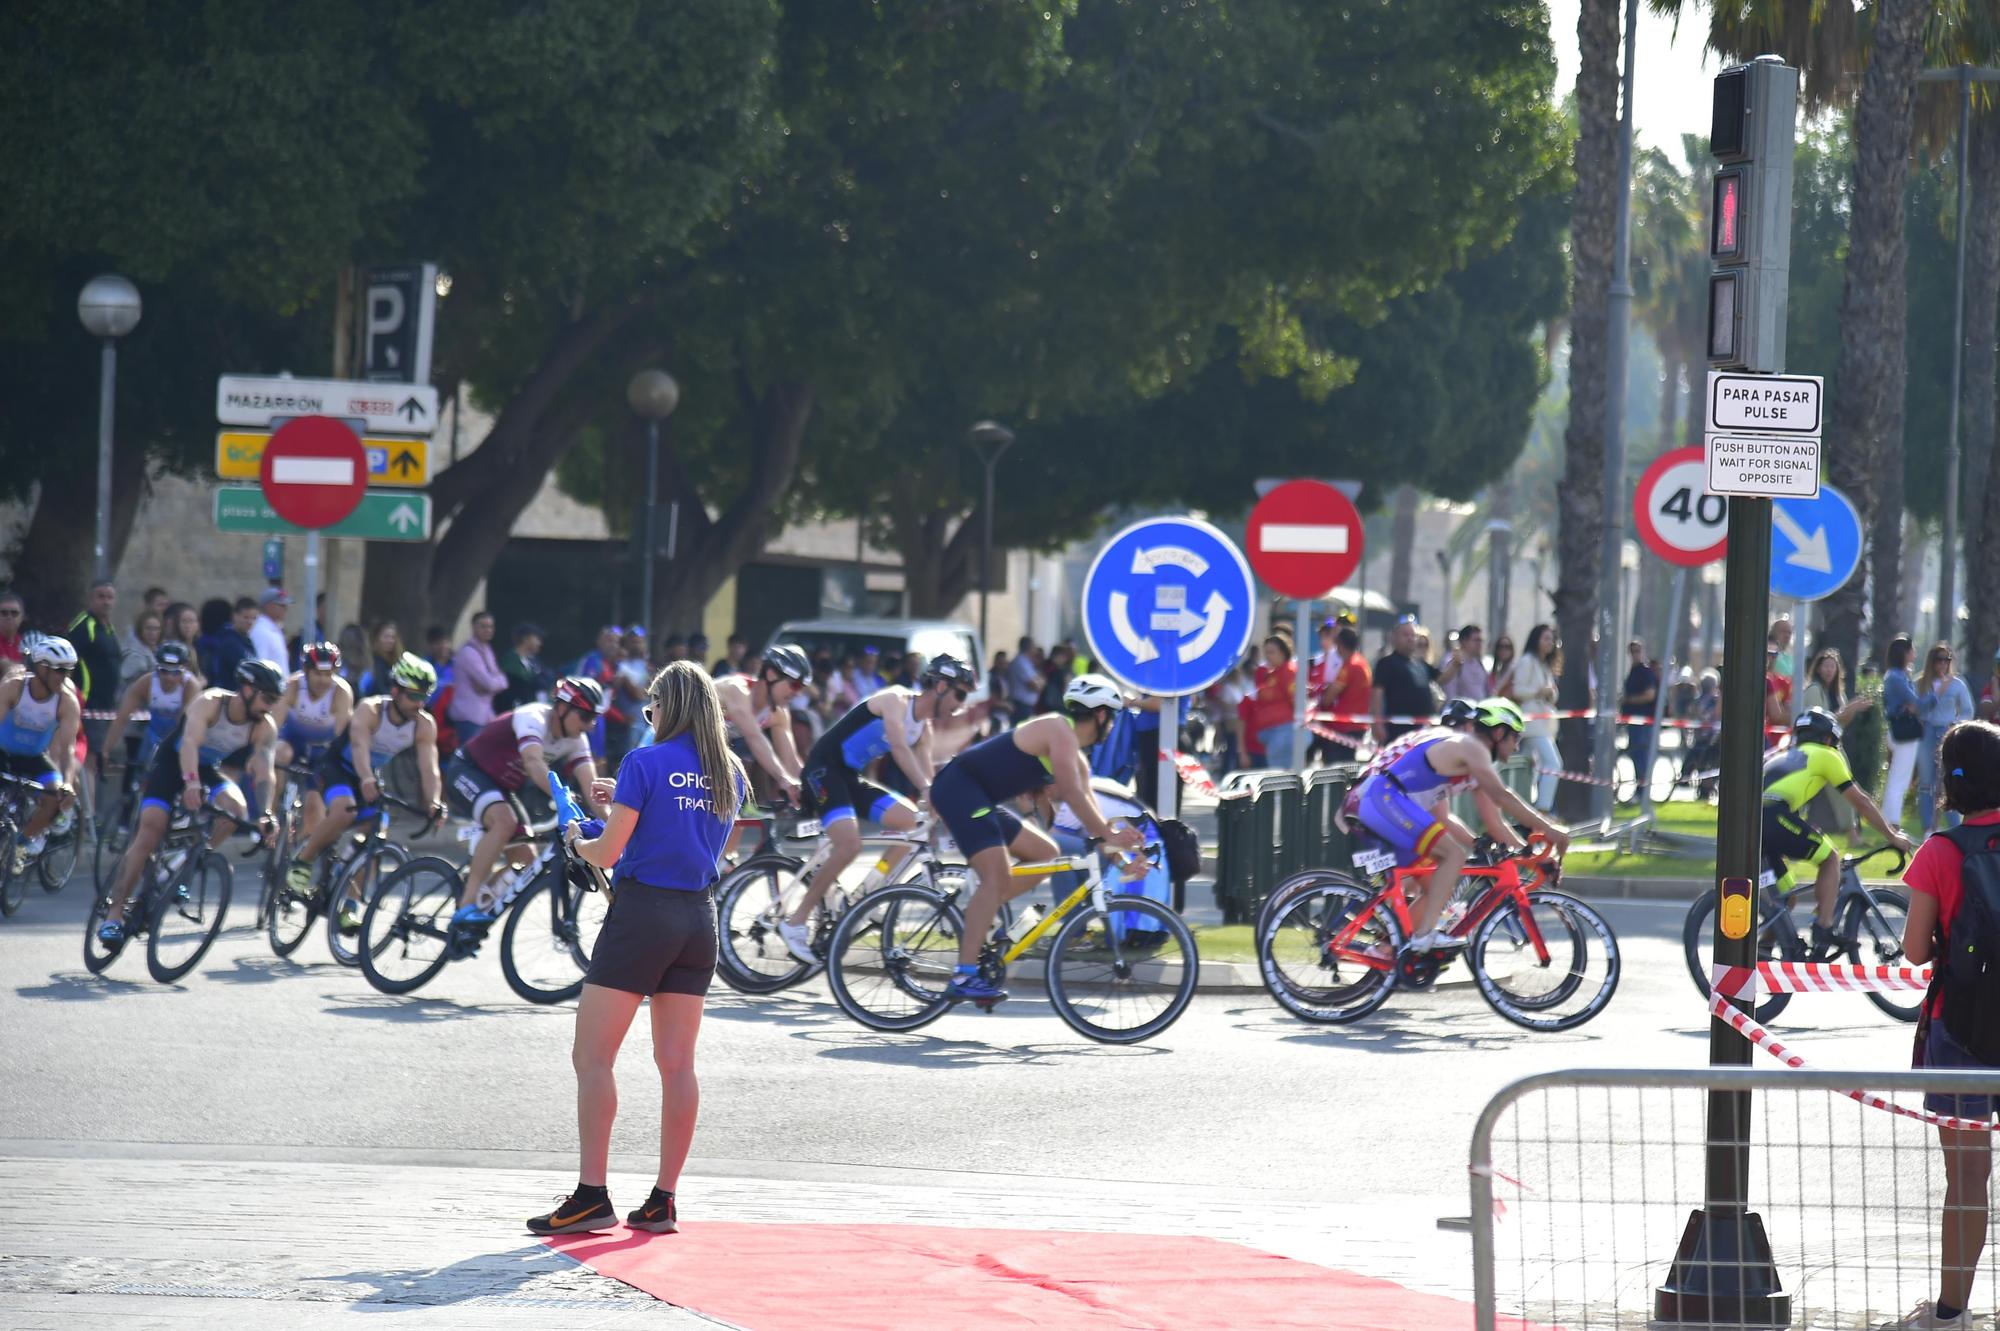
(919, 1278)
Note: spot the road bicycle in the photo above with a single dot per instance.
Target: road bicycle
(179, 901)
(753, 897)
(1869, 921)
(18, 798)
(1119, 969)
(1331, 949)
(553, 905)
(350, 870)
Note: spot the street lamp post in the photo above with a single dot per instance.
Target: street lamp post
(109, 308)
(652, 394)
(989, 440)
(1947, 603)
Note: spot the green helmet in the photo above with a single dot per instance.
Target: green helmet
(414, 673)
(1495, 713)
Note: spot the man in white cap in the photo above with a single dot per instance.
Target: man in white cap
(267, 635)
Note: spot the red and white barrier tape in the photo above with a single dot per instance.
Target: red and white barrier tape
(1573, 714)
(1818, 977)
(1193, 775)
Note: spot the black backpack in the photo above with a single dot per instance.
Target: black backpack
(1183, 849)
(1968, 972)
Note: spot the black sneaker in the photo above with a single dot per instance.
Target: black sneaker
(574, 1217)
(657, 1216)
(1827, 943)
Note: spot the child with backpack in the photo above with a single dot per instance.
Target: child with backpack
(1954, 883)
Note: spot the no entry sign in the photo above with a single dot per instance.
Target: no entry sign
(1304, 539)
(314, 471)
(1676, 516)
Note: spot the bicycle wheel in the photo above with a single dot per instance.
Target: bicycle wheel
(13, 886)
(114, 833)
(96, 954)
(279, 848)
(59, 856)
(891, 957)
(545, 946)
(1874, 930)
(1123, 974)
(1329, 952)
(750, 956)
(405, 930)
(289, 919)
(1698, 943)
(1537, 966)
(1297, 882)
(357, 883)
(187, 917)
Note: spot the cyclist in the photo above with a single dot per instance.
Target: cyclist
(382, 727)
(897, 722)
(316, 708)
(1402, 802)
(39, 717)
(163, 693)
(753, 710)
(513, 753)
(222, 731)
(1792, 777)
(973, 792)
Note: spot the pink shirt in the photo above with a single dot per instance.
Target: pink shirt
(476, 677)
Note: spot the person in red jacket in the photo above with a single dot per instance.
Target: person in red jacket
(1271, 712)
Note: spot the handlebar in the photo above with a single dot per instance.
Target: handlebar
(1856, 860)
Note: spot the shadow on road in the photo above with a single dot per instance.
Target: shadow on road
(83, 987)
(1412, 1030)
(529, 1269)
(728, 1006)
(390, 1007)
(264, 970)
(929, 1050)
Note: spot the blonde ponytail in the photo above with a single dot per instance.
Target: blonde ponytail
(682, 697)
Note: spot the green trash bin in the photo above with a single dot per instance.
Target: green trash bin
(1233, 848)
(1279, 832)
(1326, 845)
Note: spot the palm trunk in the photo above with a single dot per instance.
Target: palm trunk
(1402, 545)
(1864, 437)
(1982, 319)
(1580, 504)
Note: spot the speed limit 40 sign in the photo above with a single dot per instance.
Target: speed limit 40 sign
(1676, 517)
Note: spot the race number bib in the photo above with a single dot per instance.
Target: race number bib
(1372, 862)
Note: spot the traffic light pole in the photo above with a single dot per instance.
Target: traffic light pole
(1723, 1273)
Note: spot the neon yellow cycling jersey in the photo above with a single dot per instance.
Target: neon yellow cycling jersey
(1793, 776)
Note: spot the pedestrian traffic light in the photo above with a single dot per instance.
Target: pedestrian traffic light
(1750, 220)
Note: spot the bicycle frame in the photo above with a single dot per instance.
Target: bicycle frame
(1507, 884)
(1780, 890)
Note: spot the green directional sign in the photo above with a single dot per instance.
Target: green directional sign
(381, 516)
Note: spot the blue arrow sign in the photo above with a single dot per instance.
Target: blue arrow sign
(1168, 606)
(1815, 545)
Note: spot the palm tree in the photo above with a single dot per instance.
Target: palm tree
(1593, 222)
(1873, 52)
(1982, 313)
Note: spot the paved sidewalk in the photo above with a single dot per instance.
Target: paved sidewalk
(177, 1237)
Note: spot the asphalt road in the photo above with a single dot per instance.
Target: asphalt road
(254, 1051)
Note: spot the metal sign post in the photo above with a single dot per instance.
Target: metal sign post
(1674, 605)
(1301, 658)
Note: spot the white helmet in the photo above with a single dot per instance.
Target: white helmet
(1087, 692)
(54, 652)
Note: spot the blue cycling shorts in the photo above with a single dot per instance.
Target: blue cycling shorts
(975, 819)
(1409, 827)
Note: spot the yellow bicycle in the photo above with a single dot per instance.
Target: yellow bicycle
(1118, 968)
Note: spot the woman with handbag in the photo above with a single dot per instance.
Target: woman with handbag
(1906, 729)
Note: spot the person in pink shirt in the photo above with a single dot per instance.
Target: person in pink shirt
(476, 678)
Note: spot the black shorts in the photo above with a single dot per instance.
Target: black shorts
(975, 819)
(335, 777)
(655, 940)
(163, 781)
(1788, 836)
(471, 790)
(835, 792)
(36, 767)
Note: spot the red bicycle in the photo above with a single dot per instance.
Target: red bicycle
(1330, 944)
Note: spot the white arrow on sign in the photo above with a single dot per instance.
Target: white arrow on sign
(1140, 646)
(1807, 551)
(1146, 561)
(403, 517)
(1217, 612)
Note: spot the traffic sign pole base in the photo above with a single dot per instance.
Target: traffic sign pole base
(1723, 1274)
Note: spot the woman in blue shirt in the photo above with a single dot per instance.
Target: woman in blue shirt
(1942, 702)
(663, 843)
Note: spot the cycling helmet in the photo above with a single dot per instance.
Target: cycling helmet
(1089, 692)
(172, 656)
(586, 695)
(320, 656)
(951, 670)
(1458, 712)
(263, 676)
(54, 652)
(1498, 714)
(1816, 726)
(789, 662)
(414, 673)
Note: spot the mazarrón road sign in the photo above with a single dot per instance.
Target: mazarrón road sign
(381, 516)
(243, 399)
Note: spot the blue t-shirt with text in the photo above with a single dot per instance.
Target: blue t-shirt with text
(678, 840)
